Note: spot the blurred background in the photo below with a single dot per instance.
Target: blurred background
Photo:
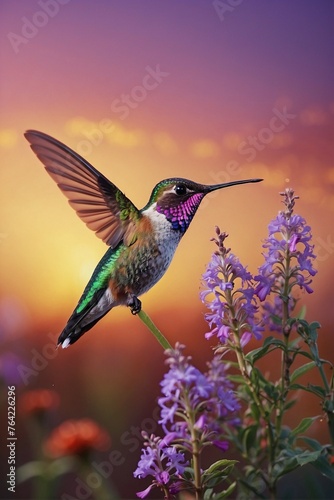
(210, 91)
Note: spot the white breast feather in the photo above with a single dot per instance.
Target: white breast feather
(166, 237)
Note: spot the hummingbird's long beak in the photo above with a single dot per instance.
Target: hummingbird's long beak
(228, 184)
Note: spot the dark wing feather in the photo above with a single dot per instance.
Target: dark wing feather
(96, 200)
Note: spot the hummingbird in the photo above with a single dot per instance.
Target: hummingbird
(141, 243)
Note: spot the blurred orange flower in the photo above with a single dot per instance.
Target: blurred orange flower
(76, 437)
(38, 401)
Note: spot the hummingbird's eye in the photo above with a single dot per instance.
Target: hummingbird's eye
(180, 189)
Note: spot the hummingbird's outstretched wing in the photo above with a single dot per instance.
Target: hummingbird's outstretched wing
(96, 200)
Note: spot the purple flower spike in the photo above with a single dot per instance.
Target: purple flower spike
(161, 461)
(230, 297)
(288, 255)
(288, 263)
(209, 398)
(195, 407)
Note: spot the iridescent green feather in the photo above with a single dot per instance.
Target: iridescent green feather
(99, 278)
(157, 191)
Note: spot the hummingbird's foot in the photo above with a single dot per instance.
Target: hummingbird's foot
(135, 304)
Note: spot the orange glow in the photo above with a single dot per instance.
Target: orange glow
(50, 254)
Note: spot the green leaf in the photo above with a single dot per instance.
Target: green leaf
(323, 466)
(270, 344)
(289, 404)
(290, 459)
(271, 391)
(308, 456)
(313, 443)
(268, 340)
(284, 466)
(309, 330)
(52, 470)
(257, 376)
(302, 426)
(302, 312)
(279, 343)
(272, 341)
(209, 494)
(249, 438)
(31, 469)
(314, 389)
(188, 473)
(256, 354)
(233, 364)
(305, 353)
(252, 487)
(255, 411)
(61, 466)
(315, 325)
(226, 493)
(214, 479)
(301, 370)
(317, 389)
(218, 472)
(237, 379)
(327, 362)
(220, 465)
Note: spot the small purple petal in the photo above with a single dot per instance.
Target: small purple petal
(245, 338)
(144, 493)
(222, 445)
(162, 477)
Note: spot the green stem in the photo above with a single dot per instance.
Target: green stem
(315, 354)
(328, 403)
(43, 483)
(244, 369)
(242, 362)
(191, 418)
(197, 470)
(104, 490)
(243, 365)
(286, 330)
(151, 326)
(324, 378)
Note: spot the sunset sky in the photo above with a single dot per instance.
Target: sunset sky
(146, 91)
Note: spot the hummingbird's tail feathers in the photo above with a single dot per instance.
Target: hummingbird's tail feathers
(80, 322)
(70, 335)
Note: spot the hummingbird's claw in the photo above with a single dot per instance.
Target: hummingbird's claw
(135, 304)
